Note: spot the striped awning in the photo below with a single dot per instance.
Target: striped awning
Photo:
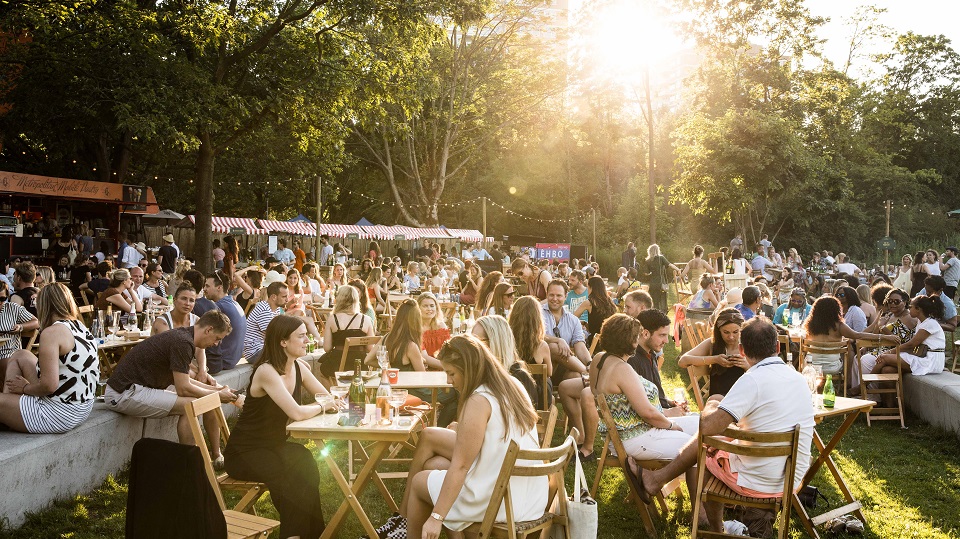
(341, 231)
(465, 234)
(222, 225)
(423, 233)
(384, 232)
(290, 227)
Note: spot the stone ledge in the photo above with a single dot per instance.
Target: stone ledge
(934, 398)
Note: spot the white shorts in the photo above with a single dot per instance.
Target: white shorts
(663, 444)
(140, 401)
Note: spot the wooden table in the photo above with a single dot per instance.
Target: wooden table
(324, 427)
(112, 351)
(432, 380)
(849, 409)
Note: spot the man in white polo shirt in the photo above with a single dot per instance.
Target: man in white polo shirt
(770, 397)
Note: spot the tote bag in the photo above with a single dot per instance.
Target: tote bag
(582, 516)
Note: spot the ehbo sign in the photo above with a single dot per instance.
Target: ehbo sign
(554, 251)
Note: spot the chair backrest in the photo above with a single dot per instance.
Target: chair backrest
(538, 371)
(865, 346)
(699, 383)
(594, 344)
(822, 347)
(194, 409)
(547, 425)
(355, 342)
(86, 313)
(550, 462)
(695, 331)
(760, 444)
(32, 339)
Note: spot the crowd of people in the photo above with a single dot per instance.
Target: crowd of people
(594, 339)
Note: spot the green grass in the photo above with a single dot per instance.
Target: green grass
(908, 481)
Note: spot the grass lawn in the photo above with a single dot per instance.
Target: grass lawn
(908, 481)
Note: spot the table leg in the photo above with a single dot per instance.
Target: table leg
(433, 401)
(351, 494)
(379, 480)
(826, 449)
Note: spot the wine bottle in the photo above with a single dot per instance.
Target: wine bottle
(829, 395)
(383, 398)
(357, 394)
(456, 324)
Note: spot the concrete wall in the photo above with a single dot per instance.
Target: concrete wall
(935, 398)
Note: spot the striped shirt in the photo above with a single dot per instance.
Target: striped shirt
(257, 322)
(12, 314)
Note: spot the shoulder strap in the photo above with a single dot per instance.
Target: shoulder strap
(354, 317)
(336, 322)
(603, 359)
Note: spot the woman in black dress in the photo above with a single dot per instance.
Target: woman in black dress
(258, 448)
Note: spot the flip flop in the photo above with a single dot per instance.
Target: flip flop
(637, 481)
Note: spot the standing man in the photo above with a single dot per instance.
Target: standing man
(153, 379)
(578, 293)
(736, 243)
(168, 254)
(950, 269)
(226, 355)
(122, 250)
(629, 257)
(497, 254)
(284, 255)
(299, 257)
(261, 315)
(770, 397)
(765, 243)
(326, 251)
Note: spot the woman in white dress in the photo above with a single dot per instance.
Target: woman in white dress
(926, 309)
(453, 471)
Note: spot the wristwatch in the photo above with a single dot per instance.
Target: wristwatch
(436, 516)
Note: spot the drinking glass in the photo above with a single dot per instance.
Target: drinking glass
(339, 392)
(114, 324)
(396, 400)
(324, 399)
(382, 358)
(795, 320)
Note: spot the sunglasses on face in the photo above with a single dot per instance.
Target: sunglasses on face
(4, 298)
(510, 293)
(841, 295)
(893, 302)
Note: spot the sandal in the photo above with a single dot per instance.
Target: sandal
(592, 457)
(854, 526)
(637, 481)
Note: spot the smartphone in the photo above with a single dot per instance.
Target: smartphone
(347, 421)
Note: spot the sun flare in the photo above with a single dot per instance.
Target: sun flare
(625, 36)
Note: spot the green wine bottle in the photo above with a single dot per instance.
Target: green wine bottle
(829, 395)
(357, 395)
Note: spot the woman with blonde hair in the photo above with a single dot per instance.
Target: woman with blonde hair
(346, 320)
(45, 276)
(494, 411)
(338, 276)
(375, 290)
(54, 391)
(435, 331)
(495, 332)
(120, 294)
(183, 266)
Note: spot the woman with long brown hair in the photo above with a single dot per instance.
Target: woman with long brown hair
(501, 300)
(720, 352)
(494, 411)
(258, 448)
(489, 282)
(598, 306)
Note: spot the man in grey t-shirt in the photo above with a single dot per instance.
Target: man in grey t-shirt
(950, 268)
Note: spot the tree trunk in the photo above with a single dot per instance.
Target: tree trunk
(206, 155)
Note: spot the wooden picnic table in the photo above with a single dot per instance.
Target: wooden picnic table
(432, 380)
(849, 409)
(324, 428)
(113, 350)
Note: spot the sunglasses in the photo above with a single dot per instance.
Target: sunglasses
(4, 298)
(841, 295)
(893, 302)
(556, 332)
(510, 293)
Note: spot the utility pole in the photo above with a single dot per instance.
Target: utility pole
(484, 218)
(652, 189)
(319, 199)
(594, 212)
(886, 252)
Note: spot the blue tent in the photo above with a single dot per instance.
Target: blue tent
(300, 219)
(363, 222)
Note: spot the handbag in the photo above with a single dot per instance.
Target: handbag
(582, 516)
(809, 495)
(664, 283)
(921, 350)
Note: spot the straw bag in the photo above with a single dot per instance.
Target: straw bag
(582, 516)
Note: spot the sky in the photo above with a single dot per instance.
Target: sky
(926, 17)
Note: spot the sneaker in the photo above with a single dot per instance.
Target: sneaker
(735, 527)
(389, 526)
(400, 532)
(218, 463)
(854, 526)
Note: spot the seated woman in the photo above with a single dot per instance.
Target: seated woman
(45, 276)
(365, 306)
(924, 353)
(739, 265)
(707, 296)
(452, 473)
(634, 402)
(258, 448)
(826, 325)
(436, 283)
(784, 286)
(866, 303)
(403, 343)
(501, 301)
(390, 276)
(796, 307)
(365, 266)
(469, 283)
(435, 330)
(338, 277)
(376, 292)
(412, 278)
(495, 332)
(181, 316)
(485, 293)
(526, 323)
(298, 296)
(853, 315)
(721, 353)
(121, 294)
(54, 391)
(249, 281)
(598, 307)
(345, 321)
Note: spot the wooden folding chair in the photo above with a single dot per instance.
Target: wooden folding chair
(619, 460)
(684, 292)
(762, 444)
(86, 313)
(239, 524)
(880, 413)
(538, 371)
(252, 490)
(547, 425)
(550, 462)
(699, 383)
(828, 348)
(355, 342)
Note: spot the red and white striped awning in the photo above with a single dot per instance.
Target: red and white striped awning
(290, 227)
(222, 225)
(423, 233)
(341, 231)
(384, 232)
(465, 234)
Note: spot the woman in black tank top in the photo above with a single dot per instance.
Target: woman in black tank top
(258, 448)
(345, 321)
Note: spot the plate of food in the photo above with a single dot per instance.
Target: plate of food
(346, 377)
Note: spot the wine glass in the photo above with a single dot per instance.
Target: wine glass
(810, 375)
(396, 400)
(339, 392)
(114, 324)
(382, 359)
(324, 399)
